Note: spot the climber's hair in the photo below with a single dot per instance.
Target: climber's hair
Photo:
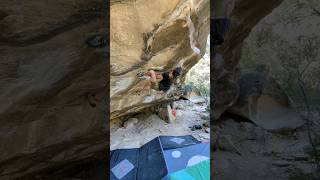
(177, 72)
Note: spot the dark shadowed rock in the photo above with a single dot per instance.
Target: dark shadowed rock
(53, 87)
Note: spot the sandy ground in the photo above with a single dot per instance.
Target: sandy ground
(149, 127)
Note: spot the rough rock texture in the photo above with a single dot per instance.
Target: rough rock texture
(150, 126)
(252, 153)
(52, 85)
(243, 149)
(245, 15)
(262, 101)
(160, 34)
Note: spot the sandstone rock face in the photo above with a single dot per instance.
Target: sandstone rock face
(244, 16)
(52, 84)
(262, 101)
(157, 34)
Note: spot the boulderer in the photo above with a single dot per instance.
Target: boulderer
(160, 81)
(55, 87)
(150, 41)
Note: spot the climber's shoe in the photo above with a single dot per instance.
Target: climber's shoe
(140, 74)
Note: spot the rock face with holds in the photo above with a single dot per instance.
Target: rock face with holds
(157, 34)
(52, 85)
(271, 136)
(243, 15)
(251, 95)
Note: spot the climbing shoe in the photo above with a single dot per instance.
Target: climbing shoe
(140, 74)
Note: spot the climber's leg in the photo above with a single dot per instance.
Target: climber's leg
(147, 86)
(155, 86)
(152, 76)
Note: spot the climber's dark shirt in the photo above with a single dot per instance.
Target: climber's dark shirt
(165, 83)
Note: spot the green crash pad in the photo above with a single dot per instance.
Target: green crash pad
(200, 171)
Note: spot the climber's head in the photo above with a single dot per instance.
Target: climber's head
(176, 72)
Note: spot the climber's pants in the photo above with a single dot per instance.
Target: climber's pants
(155, 86)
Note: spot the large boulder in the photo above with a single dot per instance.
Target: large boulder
(244, 15)
(53, 85)
(157, 34)
(262, 101)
